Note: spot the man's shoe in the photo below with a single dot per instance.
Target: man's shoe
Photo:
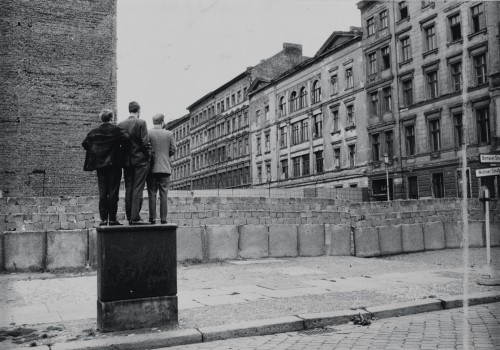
(103, 223)
(163, 222)
(115, 223)
(152, 221)
(139, 222)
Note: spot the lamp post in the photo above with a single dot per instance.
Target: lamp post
(386, 162)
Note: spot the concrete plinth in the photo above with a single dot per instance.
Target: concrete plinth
(136, 276)
(136, 313)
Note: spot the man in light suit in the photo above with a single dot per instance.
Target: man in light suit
(163, 144)
(136, 163)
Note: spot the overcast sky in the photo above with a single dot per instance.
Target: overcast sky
(172, 52)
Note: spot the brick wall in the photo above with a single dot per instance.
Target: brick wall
(58, 70)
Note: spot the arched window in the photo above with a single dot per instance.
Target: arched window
(294, 101)
(316, 95)
(282, 105)
(303, 94)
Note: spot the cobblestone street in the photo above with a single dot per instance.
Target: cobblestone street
(435, 330)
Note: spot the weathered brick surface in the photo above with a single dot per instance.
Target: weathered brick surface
(58, 69)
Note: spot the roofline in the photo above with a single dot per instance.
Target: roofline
(175, 122)
(219, 89)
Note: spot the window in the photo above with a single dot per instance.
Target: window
(410, 140)
(259, 174)
(374, 102)
(350, 114)
(389, 144)
(430, 38)
(434, 135)
(458, 129)
(235, 149)
(370, 26)
(259, 150)
(283, 136)
(405, 49)
(295, 133)
(302, 101)
(305, 164)
(233, 100)
(387, 99)
(284, 169)
(319, 161)
(227, 103)
(245, 120)
(268, 172)
(336, 158)
(296, 166)
(238, 97)
(352, 155)
(407, 92)
(282, 106)
(480, 69)
(257, 116)
(412, 187)
(318, 126)
(246, 146)
(483, 125)
(316, 92)
(372, 63)
(335, 84)
(267, 138)
(455, 27)
(437, 185)
(348, 78)
(293, 102)
(403, 10)
(376, 147)
(456, 76)
(266, 112)
(432, 84)
(240, 124)
(386, 58)
(478, 19)
(305, 131)
(228, 126)
(383, 19)
(222, 105)
(336, 124)
(240, 146)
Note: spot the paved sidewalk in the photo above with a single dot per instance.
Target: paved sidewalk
(434, 330)
(63, 308)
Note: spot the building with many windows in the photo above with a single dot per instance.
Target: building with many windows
(422, 60)
(180, 178)
(220, 142)
(308, 125)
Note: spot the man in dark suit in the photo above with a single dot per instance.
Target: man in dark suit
(105, 148)
(163, 144)
(136, 163)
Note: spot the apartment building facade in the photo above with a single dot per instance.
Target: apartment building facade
(308, 125)
(220, 124)
(432, 85)
(180, 178)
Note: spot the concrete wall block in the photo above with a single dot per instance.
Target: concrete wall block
(283, 241)
(254, 241)
(311, 240)
(477, 234)
(66, 248)
(434, 237)
(453, 234)
(24, 250)
(2, 261)
(189, 243)
(495, 234)
(366, 242)
(222, 242)
(390, 240)
(413, 238)
(92, 255)
(338, 239)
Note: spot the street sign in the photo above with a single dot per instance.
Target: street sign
(489, 158)
(487, 172)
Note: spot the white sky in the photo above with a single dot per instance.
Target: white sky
(173, 52)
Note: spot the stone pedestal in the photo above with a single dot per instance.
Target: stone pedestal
(136, 277)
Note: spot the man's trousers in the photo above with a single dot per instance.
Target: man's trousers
(108, 181)
(135, 178)
(158, 182)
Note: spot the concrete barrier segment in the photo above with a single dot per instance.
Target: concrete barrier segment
(413, 238)
(434, 238)
(453, 234)
(476, 234)
(253, 241)
(390, 240)
(24, 250)
(283, 241)
(338, 239)
(311, 240)
(222, 242)
(190, 243)
(366, 242)
(66, 248)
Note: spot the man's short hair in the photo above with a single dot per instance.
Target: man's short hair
(133, 107)
(158, 119)
(106, 115)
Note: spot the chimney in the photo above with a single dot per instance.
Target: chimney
(355, 29)
(292, 48)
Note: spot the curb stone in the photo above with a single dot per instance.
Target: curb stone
(272, 326)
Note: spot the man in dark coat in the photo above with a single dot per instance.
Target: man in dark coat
(136, 163)
(163, 144)
(105, 148)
